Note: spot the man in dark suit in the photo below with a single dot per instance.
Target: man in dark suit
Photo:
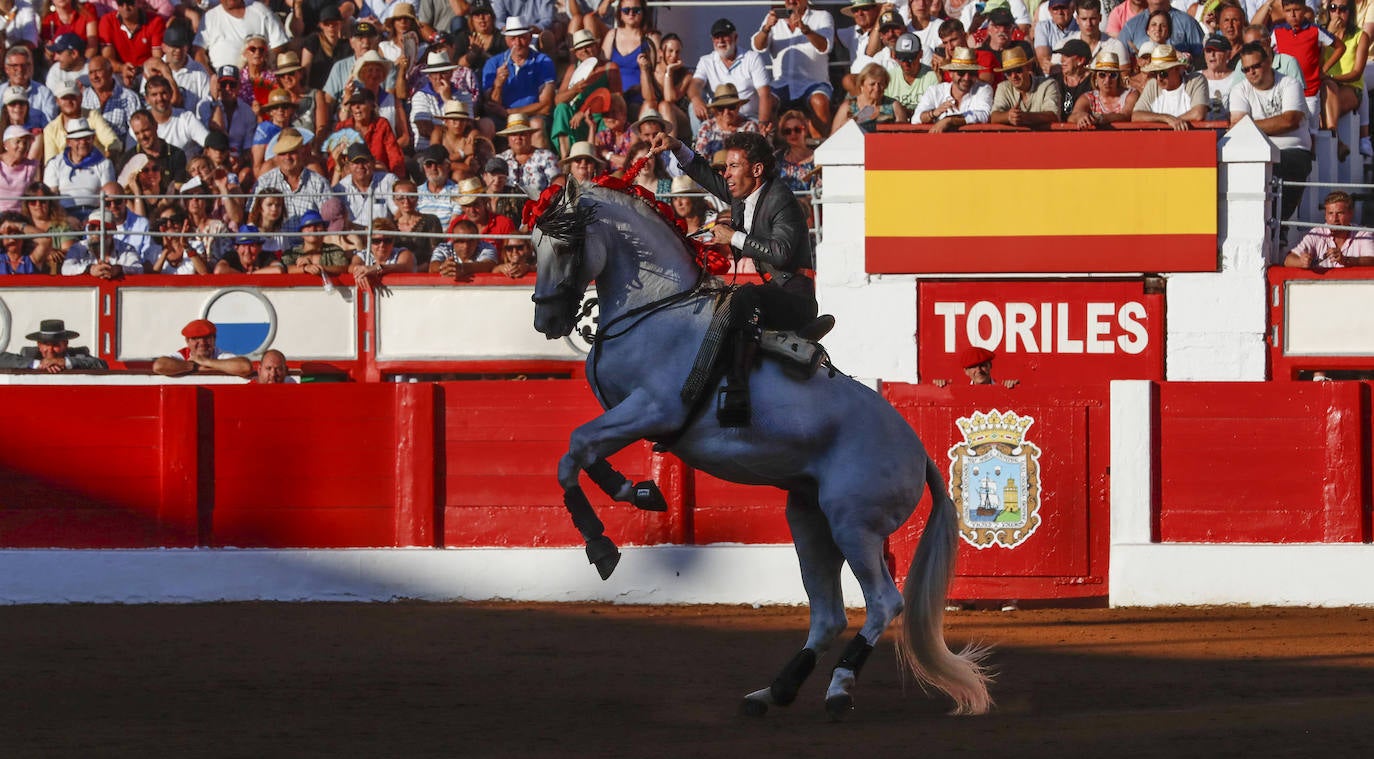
(768, 225)
(52, 353)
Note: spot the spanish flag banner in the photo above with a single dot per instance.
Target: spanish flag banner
(1041, 202)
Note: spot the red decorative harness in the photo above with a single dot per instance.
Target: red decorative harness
(707, 256)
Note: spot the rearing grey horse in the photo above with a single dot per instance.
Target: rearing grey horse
(852, 467)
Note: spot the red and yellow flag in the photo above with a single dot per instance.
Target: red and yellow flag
(1041, 202)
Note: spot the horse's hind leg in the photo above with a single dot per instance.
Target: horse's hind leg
(820, 562)
(863, 549)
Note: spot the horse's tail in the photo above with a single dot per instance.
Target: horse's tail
(920, 641)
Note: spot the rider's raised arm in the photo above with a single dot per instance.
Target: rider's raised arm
(699, 169)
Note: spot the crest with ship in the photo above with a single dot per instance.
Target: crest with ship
(994, 478)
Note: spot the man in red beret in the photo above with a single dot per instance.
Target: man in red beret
(200, 354)
(977, 364)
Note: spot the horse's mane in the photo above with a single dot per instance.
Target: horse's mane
(555, 216)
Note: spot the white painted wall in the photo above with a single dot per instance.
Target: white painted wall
(492, 323)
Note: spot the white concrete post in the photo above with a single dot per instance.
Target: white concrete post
(875, 315)
(1216, 320)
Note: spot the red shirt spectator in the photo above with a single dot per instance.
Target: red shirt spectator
(80, 20)
(376, 133)
(131, 32)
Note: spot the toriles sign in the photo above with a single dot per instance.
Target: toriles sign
(1054, 332)
(1041, 202)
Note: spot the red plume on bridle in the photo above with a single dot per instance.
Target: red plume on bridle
(707, 256)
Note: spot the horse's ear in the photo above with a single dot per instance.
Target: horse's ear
(572, 191)
(531, 194)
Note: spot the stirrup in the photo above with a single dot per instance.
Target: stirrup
(818, 328)
(800, 357)
(732, 404)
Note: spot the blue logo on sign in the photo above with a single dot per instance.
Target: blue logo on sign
(245, 319)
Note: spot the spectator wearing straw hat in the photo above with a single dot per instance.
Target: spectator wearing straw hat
(1173, 96)
(531, 168)
(1023, 98)
(78, 171)
(726, 119)
(458, 131)
(97, 254)
(519, 81)
(201, 354)
(277, 114)
(369, 78)
(582, 163)
(363, 39)
(1088, 16)
(302, 189)
(1109, 101)
(403, 47)
(590, 75)
(428, 101)
(52, 351)
(476, 206)
(965, 99)
(863, 35)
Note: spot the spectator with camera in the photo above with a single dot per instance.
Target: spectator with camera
(798, 38)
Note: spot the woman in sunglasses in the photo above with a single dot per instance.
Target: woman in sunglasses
(633, 46)
(175, 255)
(45, 214)
(1110, 98)
(796, 159)
(257, 75)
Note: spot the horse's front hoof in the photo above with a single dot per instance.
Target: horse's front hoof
(602, 553)
(753, 707)
(839, 706)
(647, 497)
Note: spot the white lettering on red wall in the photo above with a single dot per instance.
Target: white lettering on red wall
(1045, 327)
(1049, 331)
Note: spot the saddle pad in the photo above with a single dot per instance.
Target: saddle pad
(700, 375)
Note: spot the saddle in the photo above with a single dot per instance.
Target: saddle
(799, 352)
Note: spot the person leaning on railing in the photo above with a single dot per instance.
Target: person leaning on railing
(1330, 248)
(20, 254)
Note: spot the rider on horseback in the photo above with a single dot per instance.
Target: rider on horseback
(777, 240)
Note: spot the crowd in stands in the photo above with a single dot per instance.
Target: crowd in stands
(380, 136)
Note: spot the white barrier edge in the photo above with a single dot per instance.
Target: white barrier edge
(716, 574)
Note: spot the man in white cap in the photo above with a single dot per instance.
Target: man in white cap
(78, 171)
(98, 255)
(1173, 95)
(228, 25)
(19, 73)
(964, 99)
(69, 108)
(52, 352)
(748, 71)
(519, 80)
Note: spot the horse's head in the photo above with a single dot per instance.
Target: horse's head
(559, 239)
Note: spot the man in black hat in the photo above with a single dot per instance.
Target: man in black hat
(496, 178)
(726, 65)
(324, 47)
(1001, 35)
(1073, 75)
(194, 90)
(52, 353)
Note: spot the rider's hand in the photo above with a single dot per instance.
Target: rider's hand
(663, 142)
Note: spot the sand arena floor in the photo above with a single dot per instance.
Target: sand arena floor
(516, 680)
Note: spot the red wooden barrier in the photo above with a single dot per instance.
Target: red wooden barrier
(1066, 553)
(98, 467)
(1264, 463)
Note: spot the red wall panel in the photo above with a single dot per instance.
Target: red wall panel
(1066, 556)
(1263, 462)
(89, 467)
